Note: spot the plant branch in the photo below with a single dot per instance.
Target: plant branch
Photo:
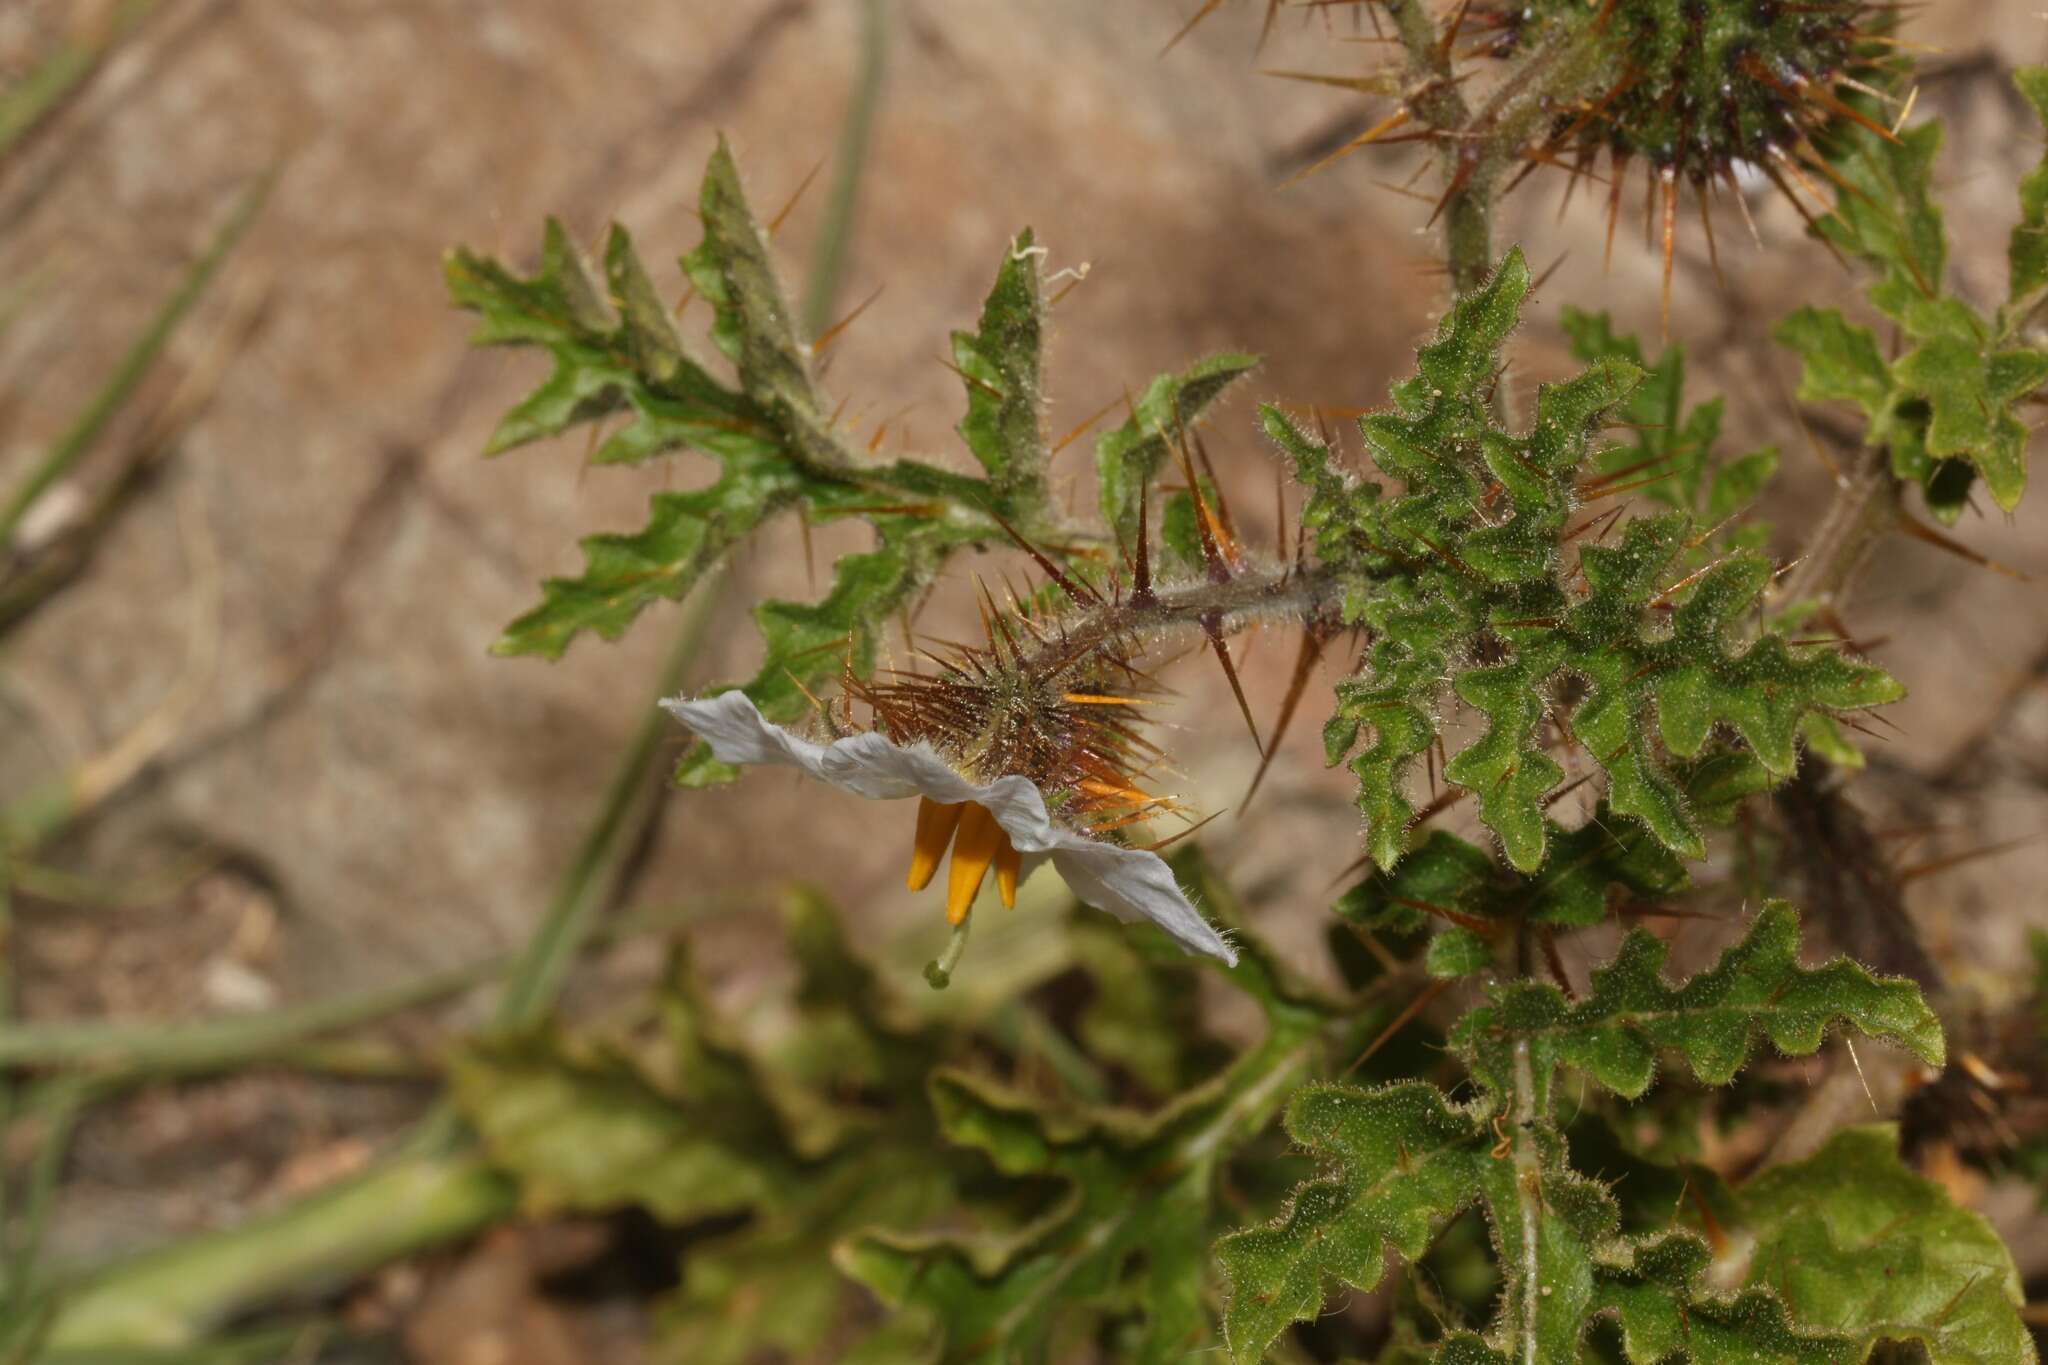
(1528, 1201)
(1224, 607)
(1865, 509)
(1480, 146)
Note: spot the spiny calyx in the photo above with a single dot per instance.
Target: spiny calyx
(1068, 724)
(1697, 86)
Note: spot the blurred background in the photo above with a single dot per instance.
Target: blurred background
(253, 746)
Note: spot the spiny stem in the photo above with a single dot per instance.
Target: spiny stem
(1865, 509)
(1483, 143)
(1468, 207)
(1231, 603)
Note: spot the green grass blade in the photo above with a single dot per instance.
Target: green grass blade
(121, 385)
(629, 800)
(835, 235)
(25, 105)
(214, 1045)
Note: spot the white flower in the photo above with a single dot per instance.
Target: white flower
(1003, 824)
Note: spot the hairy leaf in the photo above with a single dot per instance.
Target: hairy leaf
(1402, 1160)
(999, 362)
(1447, 880)
(1672, 458)
(1945, 409)
(1463, 577)
(1137, 1202)
(1859, 1245)
(1129, 458)
(1757, 992)
(1663, 1316)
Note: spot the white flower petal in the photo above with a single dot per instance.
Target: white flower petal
(1129, 883)
(1134, 885)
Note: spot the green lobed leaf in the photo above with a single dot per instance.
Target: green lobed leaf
(614, 349)
(1663, 1316)
(999, 363)
(597, 354)
(1463, 577)
(1859, 1245)
(1135, 1203)
(1890, 219)
(1842, 360)
(584, 1126)
(2027, 249)
(1403, 1161)
(1128, 459)
(847, 1082)
(1945, 408)
(686, 534)
(1970, 392)
(1757, 992)
(1672, 457)
(1445, 881)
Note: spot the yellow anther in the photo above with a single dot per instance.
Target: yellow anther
(1009, 862)
(979, 839)
(935, 826)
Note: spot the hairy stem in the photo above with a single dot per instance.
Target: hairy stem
(1528, 1199)
(1865, 509)
(1468, 205)
(1483, 144)
(1224, 607)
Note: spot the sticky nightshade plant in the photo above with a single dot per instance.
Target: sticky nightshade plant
(1520, 603)
(1021, 750)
